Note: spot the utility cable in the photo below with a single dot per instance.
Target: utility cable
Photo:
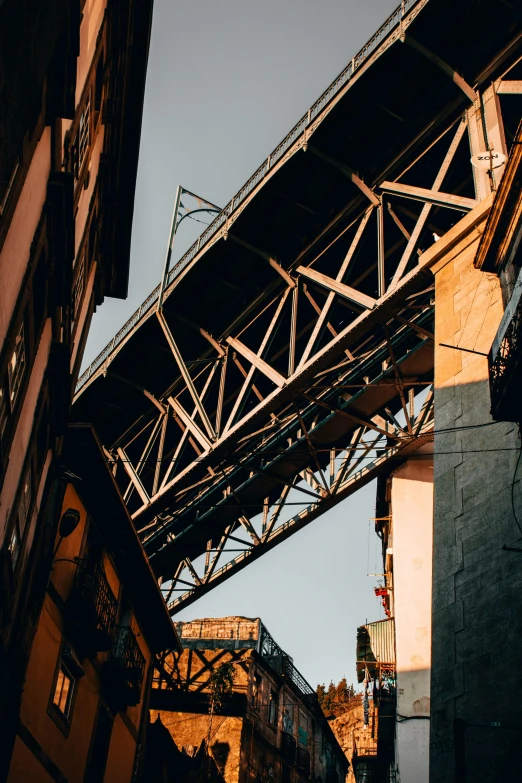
(515, 517)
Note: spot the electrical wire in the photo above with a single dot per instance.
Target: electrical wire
(515, 517)
(406, 437)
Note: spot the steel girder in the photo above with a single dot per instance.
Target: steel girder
(268, 387)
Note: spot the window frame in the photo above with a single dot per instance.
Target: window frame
(273, 709)
(16, 372)
(257, 684)
(66, 677)
(17, 533)
(63, 720)
(23, 322)
(89, 116)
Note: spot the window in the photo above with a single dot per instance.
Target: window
(14, 545)
(63, 692)
(273, 708)
(256, 690)
(22, 515)
(84, 135)
(24, 505)
(16, 367)
(78, 287)
(288, 719)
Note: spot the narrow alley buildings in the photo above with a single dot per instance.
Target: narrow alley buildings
(450, 516)
(71, 100)
(85, 701)
(271, 727)
(477, 624)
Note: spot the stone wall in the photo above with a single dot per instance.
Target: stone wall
(350, 726)
(232, 628)
(477, 622)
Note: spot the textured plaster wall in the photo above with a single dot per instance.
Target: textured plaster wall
(477, 622)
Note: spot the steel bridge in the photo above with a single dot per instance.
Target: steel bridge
(287, 359)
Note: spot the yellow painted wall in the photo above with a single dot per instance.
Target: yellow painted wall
(70, 753)
(27, 766)
(120, 762)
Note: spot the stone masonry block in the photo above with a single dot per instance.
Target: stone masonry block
(447, 683)
(446, 495)
(443, 593)
(447, 561)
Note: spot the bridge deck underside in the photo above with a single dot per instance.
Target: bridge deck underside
(301, 332)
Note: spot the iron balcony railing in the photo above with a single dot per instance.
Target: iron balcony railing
(90, 611)
(505, 361)
(303, 760)
(391, 24)
(122, 674)
(127, 654)
(295, 676)
(288, 747)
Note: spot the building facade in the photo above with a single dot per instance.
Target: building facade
(70, 118)
(84, 709)
(477, 625)
(270, 728)
(394, 654)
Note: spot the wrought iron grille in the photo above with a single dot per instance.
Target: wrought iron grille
(505, 365)
(303, 760)
(91, 609)
(298, 680)
(390, 25)
(288, 747)
(282, 663)
(127, 655)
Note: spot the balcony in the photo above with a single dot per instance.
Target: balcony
(303, 760)
(288, 747)
(505, 361)
(90, 611)
(122, 673)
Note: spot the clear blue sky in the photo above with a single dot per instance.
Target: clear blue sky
(227, 80)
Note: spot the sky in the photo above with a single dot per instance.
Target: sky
(226, 81)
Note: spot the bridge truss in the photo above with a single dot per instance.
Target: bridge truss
(289, 359)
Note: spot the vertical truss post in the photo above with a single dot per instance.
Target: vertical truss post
(293, 331)
(478, 143)
(494, 129)
(381, 283)
(221, 392)
(157, 470)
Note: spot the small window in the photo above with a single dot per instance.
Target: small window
(256, 690)
(84, 135)
(24, 505)
(14, 545)
(16, 367)
(22, 515)
(78, 288)
(63, 692)
(273, 708)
